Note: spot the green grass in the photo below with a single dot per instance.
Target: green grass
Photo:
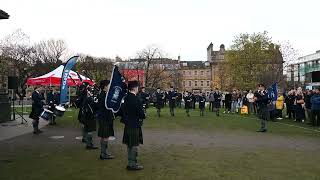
(209, 122)
(52, 161)
(174, 162)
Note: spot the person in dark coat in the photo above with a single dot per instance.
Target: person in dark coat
(291, 98)
(217, 101)
(193, 100)
(53, 99)
(88, 120)
(300, 114)
(133, 116)
(187, 102)
(262, 100)
(172, 95)
(179, 99)
(37, 108)
(315, 108)
(105, 120)
(308, 106)
(160, 97)
(144, 98)
(202, 103)
(228, 102)
(81, 96)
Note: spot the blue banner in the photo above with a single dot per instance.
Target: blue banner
(116, 91)
(64, 79)
(273, 92)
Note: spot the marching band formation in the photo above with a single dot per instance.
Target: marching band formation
(91, 102)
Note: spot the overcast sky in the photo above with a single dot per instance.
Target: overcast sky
(179, 27)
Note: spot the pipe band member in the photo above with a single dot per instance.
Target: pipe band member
(133, 116)
(105, 120)
(160, 97)
(262, 100)
(37, 108)
(89, 124)
(187, 102)
(172, 95)
(202, 103)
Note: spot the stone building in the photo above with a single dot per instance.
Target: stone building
(196, 76)
(218, 66)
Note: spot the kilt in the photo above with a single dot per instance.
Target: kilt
(132, 136)
(216, 105)
(105, 129)
(90, 125)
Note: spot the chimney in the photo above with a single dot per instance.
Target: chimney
(179, 58)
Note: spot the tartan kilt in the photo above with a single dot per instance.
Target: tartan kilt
(132, 136)
(105, 129)
(216, 105)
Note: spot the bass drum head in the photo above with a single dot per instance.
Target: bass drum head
(59, 111)
(46, 115)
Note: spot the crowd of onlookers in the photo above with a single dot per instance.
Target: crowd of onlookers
(296, 104)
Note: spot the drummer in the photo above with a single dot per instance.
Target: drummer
(53, 101)
(37, 108)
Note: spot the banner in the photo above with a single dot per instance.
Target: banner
(116, 91)
(64, 79)
(273, 92)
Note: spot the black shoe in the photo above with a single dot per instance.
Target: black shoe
(91, 147)
(108, 156)
(262, 130)
(134, 168)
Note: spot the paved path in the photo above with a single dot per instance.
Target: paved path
(15, 128)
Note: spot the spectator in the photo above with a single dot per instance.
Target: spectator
(279, 106)
(315, 108)
(250, 98)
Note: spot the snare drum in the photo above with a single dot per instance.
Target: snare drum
(59, 111)
(46, 115)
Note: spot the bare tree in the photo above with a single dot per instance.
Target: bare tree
(147, 57)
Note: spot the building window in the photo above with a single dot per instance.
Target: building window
(201, 73)
(195, 73)
(184, 84)
(195, 83)
(184, 72)
(189, 73)
(208, 83)
(189, 83)
(208, 73)
(201, 84)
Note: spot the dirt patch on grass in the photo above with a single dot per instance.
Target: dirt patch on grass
(159, 138)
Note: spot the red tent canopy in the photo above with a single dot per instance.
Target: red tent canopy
(53, 78)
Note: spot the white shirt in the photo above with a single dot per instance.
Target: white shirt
(250, 97)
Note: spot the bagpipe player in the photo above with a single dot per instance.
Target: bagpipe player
(105, 121)
(133, 116)
(88, 109)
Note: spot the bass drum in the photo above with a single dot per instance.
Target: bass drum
(59, 111)
(46, 115)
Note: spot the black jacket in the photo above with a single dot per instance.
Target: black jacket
(133, 113)
(172, 98)
(37, 105)
(102, 112)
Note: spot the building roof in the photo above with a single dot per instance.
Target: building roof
(3, 15)
(195, 64)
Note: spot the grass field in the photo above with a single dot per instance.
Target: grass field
(171, 151)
